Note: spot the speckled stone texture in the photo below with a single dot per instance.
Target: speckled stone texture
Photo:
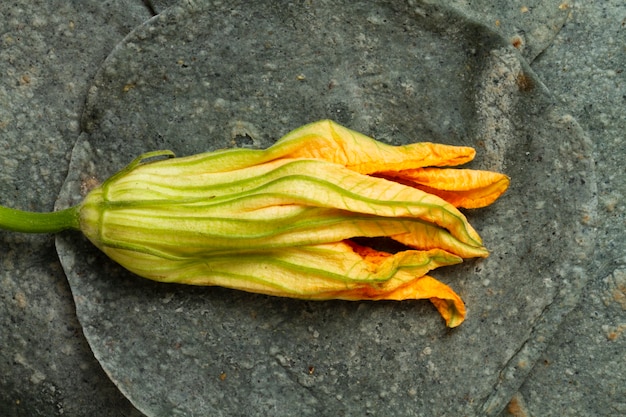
(217, 352)
(583, 371)
(49, 53)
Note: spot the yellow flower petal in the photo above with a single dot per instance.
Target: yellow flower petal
(342, 270)
(466, 188)
(329, 141)
(178, 214)
(280, 221)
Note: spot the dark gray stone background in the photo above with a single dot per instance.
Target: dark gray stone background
(49, 57)
(399, 72)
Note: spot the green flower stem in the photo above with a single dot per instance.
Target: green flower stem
(30, 222)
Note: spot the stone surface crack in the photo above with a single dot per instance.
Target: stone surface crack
(559, 25)
(507, 383)
(538, 339)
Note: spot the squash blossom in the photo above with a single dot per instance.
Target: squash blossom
(284, 221)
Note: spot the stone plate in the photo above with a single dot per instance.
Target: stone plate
(209, 75)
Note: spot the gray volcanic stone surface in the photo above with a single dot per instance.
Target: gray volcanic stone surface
(537, 87)
(49, 54)
(197, 78)
(583, 371)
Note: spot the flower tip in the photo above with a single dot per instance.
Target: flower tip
(451, 310)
